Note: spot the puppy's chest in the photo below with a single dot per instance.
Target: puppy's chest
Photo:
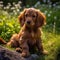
(30, 38)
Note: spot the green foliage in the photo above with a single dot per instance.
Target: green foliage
(8, 25)
(51, 43)
(31, 2)
(52, 16)
(9, 1)
(9, 20)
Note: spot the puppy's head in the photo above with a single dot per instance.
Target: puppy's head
(32, 18)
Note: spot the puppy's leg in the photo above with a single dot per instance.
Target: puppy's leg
(25, 48)
(13, 41)
(40, 47)
(18, 49)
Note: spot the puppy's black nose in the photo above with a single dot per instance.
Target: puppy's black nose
(28, 22)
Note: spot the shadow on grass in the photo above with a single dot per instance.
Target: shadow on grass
(41, 57)
(58, 54)
(35, 57)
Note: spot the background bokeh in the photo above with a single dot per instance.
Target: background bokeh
(9, 24)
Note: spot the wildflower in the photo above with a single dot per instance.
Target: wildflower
(38, 3)
(50, 12)
(48, 15)
(18, 5)
(58, 7)
(19, 2)
(3, 18)
(7, 7)
(12, 8)
(50, 6)
(4, 7)
(1, 2)
(1, 5)
(54, 5)
(9, 4)
(6, 13)
(45, 12)
(14, 3)
(48, 1)
(44, 1)
(17, 10)
(14, 11)
(55, 17)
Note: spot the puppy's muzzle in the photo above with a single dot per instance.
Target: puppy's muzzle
(28, 22)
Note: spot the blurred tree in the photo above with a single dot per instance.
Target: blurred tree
(32, 2)
(29, 2)
(47, 1)
(23, 2)
(5, 2)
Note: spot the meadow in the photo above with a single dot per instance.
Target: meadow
(9, 25)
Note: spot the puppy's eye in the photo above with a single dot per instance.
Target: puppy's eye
(33, 16)
(26, 15)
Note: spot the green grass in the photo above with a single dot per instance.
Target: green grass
(51, 43)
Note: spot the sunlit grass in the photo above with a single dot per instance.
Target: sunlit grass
(51, 43)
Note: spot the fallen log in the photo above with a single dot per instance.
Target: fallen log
(6, 54)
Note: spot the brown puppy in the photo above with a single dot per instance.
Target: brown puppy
(31, 20)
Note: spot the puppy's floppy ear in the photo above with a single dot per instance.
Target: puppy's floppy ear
(21, 18)
(41, 19)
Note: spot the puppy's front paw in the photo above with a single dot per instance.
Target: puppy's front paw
(24, 55)
(18, 50)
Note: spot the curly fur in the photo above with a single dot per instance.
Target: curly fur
(31, 20)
